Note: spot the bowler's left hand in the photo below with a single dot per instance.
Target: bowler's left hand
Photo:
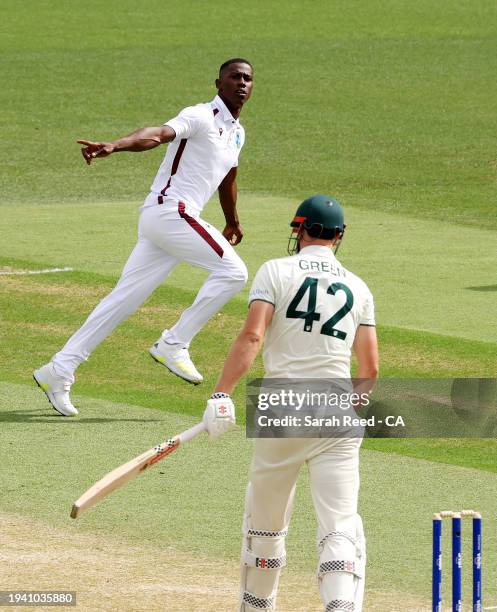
(233, 233)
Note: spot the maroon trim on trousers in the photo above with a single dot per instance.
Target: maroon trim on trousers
(174, 168)
(200, 229)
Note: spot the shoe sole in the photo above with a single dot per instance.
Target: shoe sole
(191, 382)
(49, 400)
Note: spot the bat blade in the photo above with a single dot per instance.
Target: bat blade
(122, 474)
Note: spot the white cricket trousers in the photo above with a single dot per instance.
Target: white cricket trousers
(333, 465)
(167, 235)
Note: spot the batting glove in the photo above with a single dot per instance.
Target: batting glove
(219, 416)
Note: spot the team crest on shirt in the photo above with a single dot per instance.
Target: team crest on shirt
(238, 140)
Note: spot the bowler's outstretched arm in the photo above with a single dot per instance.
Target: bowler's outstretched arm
(142, 139)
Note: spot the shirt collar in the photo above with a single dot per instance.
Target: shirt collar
(223, 109)
(318, 249)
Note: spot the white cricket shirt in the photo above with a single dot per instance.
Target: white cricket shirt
(207, 145)
(318, 307)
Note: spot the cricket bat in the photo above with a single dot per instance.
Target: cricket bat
(120, 476)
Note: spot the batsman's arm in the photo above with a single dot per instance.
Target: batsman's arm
(233, 231)
(142, 139)
(366, 350)
(246, 346)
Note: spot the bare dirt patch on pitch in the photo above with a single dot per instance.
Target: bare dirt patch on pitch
(116, 575)
(109, 575)
(32, 284)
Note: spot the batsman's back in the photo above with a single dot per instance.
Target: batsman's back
(318, 307)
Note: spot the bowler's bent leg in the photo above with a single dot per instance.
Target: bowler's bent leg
(198, 243)
(217, 290)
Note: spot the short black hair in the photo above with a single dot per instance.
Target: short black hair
(234, 60)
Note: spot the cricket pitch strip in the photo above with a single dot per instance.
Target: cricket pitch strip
(115, 575)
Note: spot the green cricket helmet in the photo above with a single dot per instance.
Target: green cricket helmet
(321, 216)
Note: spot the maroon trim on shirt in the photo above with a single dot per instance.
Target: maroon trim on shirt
(215, 111)
(200, 229)
(174, 168)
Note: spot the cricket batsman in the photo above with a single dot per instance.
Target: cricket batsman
(311, 313)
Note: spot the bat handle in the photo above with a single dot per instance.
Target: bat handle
(189, 434)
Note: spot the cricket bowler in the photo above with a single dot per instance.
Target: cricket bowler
(205, 142)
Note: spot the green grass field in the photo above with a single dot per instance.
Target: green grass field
(387, 105)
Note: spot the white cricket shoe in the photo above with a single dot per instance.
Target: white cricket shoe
(56, 389)
(177, 360)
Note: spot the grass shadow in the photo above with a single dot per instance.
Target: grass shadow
(30, 416)
(483, 288)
